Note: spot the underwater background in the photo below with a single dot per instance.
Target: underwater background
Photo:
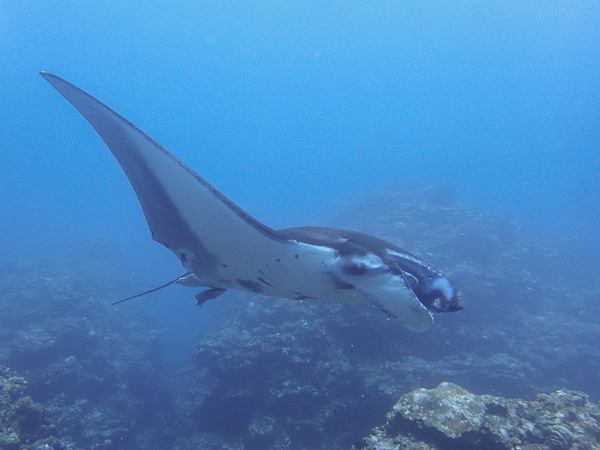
(465, 132)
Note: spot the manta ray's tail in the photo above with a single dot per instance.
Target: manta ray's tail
(178, 279)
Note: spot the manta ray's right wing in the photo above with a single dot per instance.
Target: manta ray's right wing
(213, 237)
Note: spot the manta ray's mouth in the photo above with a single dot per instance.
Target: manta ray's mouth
(441, 304)
(437, 293)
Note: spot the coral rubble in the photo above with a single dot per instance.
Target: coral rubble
(450, 417)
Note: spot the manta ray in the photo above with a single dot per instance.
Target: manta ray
(223, 247)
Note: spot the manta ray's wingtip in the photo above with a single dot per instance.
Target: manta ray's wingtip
(56, 81)
(51, 78)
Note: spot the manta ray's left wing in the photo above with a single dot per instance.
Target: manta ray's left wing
(214, 238)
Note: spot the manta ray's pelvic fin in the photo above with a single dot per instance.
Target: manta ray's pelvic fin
(209, 294)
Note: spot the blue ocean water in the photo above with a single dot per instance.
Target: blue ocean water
(291, 109)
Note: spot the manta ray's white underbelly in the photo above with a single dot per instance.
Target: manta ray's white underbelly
(300, 272)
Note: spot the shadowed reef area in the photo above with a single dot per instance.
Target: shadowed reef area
(295, 375)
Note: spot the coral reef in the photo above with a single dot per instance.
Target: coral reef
(25, 425)
(283, 374)
(97, 369)
(275, 378)
(450, 417)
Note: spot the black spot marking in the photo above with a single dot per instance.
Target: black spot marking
(266, 282)
(224, 265)
(250, 285)
(277, 259)
(296, 256)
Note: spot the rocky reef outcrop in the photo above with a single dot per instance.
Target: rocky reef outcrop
(450, 417)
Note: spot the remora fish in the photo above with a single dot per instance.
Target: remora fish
(223, 247)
